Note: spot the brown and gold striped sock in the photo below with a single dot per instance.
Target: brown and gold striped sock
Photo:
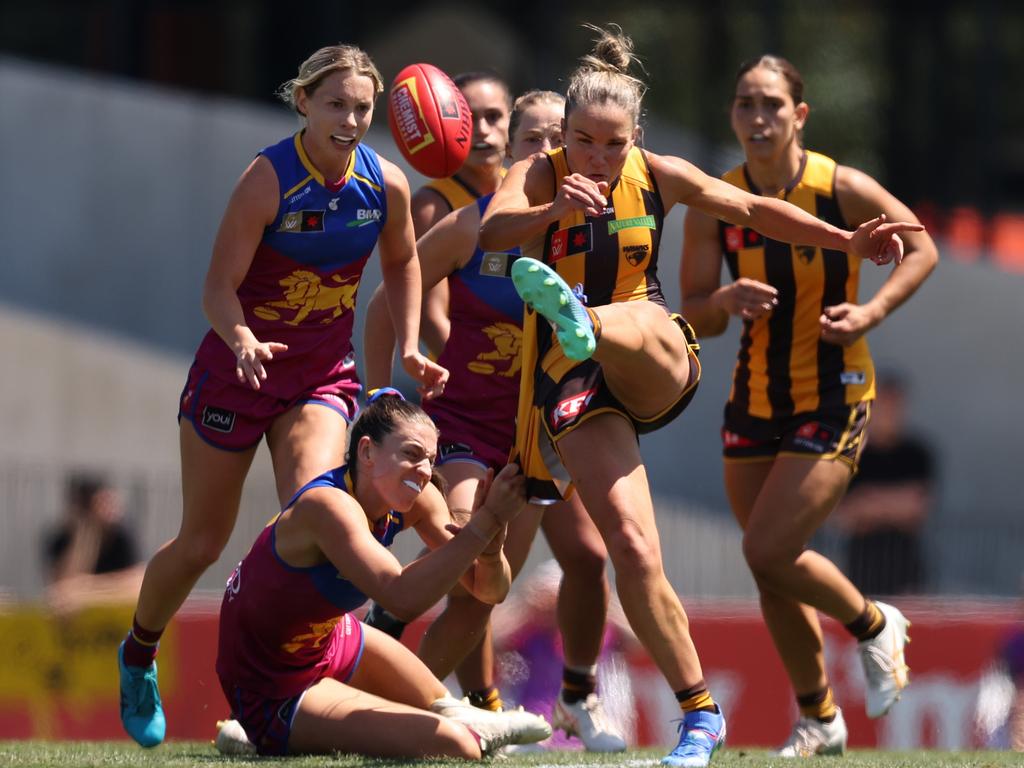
(486, 698)
(696, 697)
(868, 624)
(820, 705)
(578, 683)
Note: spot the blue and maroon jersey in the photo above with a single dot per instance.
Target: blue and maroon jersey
(279, 623)
(482, 354)
(301, 287)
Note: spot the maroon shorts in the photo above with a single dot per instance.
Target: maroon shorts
(472, 451)
(829, 434)
(268, 721)
(234, 417)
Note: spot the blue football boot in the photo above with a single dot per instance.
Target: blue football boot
(544, 290)
(142, 715)
(701, 734)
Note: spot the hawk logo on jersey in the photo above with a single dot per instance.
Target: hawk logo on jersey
(302, 221)
(305, 292)
(805, 253)
(636, 254)
(508, 341)
(570, 409)
(738, 238)
(566, 242)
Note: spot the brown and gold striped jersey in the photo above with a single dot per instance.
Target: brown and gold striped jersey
(783, 366)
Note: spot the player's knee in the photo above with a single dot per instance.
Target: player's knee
(585, 564)
(764, 558)
(200, 552)
(634, 554)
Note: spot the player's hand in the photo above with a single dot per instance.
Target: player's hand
(879, 241)
(578, 193)
(748, 299)
(250, 357)
(506, 493)
(431, 376)
(844, 323)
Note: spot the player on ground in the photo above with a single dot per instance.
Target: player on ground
(476, 417)
(795, 419)
(280, 294)
(301, 674)
(618, 364)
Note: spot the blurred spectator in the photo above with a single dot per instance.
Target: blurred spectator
(1013, 659)
(90, 556)
(885, 509)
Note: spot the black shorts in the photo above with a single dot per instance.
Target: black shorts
(583, 393)
(829, 434)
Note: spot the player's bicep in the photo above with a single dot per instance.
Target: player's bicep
(448, 245)
(340, 530)
(252, 207)
(396, 242)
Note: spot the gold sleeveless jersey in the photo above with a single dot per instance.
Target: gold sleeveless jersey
(783, 366)
(608, 258)
(455, 192)
(614, 257)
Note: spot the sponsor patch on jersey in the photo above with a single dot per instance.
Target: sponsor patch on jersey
(570, 409)
(647, 222)
(738, 238)
(366, 216)
(852, 377)
(302, 221)
(218, 419)
(572, 240)
(496, 264)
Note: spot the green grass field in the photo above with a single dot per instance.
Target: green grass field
(179, 754)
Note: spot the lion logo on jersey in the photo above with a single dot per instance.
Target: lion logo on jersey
(318, 632)
(508, 341)
(305, 292)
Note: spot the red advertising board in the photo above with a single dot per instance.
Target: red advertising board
(58, 677)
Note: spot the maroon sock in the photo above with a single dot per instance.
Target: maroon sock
(141, 645)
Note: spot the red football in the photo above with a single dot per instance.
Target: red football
(430, 120)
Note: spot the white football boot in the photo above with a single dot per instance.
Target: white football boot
(812, 737)
(587, 721)
(495, 729)
(885, 668)
(231, 739)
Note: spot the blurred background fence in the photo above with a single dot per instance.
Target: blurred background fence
(125, 124)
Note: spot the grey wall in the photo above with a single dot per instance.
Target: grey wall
(112, 193)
